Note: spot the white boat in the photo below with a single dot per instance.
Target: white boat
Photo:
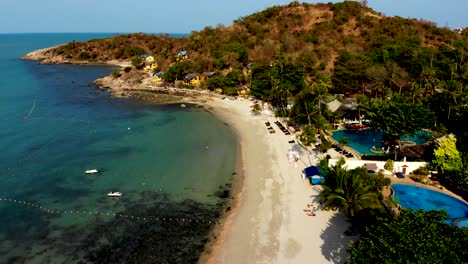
(91, 171)
(114, 194)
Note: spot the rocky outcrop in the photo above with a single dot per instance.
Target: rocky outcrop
(48, 56)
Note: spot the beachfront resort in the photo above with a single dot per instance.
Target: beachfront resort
(349, 123)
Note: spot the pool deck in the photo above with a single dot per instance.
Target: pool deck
(335, 154)
(395, 180)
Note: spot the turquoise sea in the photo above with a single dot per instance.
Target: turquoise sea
(173, 165)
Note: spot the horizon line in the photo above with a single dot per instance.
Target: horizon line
(83, 32)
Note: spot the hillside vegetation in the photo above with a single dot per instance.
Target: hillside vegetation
(313, 36)
(285, 52)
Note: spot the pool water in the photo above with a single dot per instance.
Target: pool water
(363, 140)
(462, 223)
(414, 197)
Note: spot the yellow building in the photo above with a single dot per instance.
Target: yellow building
(193, 79)
(182, 55)
(157, 78)
(149, 62)
(150, 66)
(149, 59)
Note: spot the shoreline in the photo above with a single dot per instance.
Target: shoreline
(267, 222)
(219, 233)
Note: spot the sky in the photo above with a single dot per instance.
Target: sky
(184, 16)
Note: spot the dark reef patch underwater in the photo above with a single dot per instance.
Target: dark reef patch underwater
(164, 232)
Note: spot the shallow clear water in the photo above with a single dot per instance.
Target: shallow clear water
(414, 197)
(362, 141)
(167, 161)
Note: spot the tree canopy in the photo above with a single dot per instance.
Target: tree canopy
(349, 191)
(396, 118)
(411, 237)
(446, 156)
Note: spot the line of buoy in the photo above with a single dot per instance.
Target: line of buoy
(84, 212)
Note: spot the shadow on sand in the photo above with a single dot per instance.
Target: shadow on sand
(336, 243)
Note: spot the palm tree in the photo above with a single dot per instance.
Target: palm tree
(345, 190)
(320, 90)
(416, 91)
(361, 102)
(323, 127)
(451, 93)
(304, 110)
(344, 141)
(307, 136)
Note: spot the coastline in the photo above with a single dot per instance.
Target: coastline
(267, 222)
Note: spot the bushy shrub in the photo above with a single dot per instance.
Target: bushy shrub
(389, 165)
(419, 178)
(423, 170)
(116, 74)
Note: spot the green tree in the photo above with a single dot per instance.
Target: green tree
(411, 237)
(307, 137)
(361, 103)
(277, 83)
(344, 141)
(446, 156)
(323, 127)
(256, 108)
(137, 61)
(304, 110)
(177, 71)
(346, 190)
(396, 118)
(320, 91)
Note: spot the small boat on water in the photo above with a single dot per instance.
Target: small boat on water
(114, 194)
(93, 171)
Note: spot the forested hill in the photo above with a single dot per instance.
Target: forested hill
(313, 35)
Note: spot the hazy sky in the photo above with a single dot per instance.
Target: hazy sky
(183, 16)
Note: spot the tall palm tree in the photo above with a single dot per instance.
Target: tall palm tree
(345, 190)
(307, 136)
(323, 127)
(451, 92)
(320, 90)
(361, 102)
(304, 110)
(416, 91)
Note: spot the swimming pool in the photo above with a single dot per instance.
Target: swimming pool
(414, 197)
(363, 140)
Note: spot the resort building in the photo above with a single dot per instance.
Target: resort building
(149, 62)
(182, 55)
(192, 78)
(405, 167)
(157, 77)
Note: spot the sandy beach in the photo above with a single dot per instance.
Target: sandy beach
(268, 223)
